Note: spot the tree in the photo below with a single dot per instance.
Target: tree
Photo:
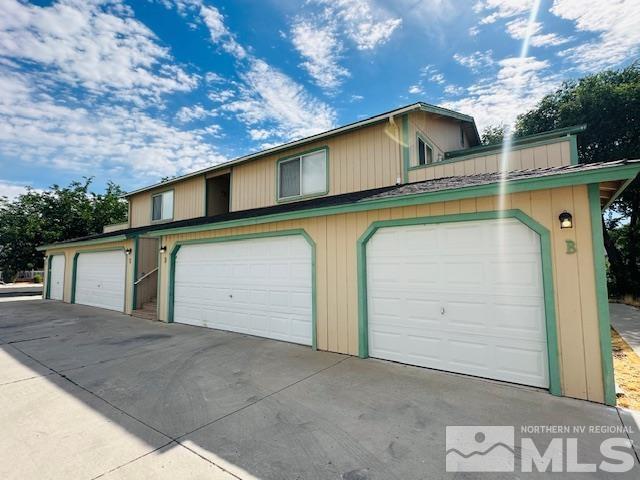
(493, 134)
(60, 213)
(609, 104)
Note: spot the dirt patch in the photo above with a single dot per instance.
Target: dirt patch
(626, 364)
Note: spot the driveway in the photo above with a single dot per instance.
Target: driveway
(87, 393)
(626, 320)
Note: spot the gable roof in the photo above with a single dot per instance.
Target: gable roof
(440, 189)
(420, 106)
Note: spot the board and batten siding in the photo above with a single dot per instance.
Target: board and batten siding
(360, 160)
(70, 252)
(521, 158)
(188, 201)
(337, 286)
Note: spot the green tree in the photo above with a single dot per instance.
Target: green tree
(493, 134)
(60, 213)
(609, 104)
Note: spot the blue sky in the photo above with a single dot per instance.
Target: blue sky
(131, 91)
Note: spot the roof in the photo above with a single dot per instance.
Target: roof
(345, 128)
(440, 189)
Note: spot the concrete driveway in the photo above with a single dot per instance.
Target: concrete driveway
(87, 393)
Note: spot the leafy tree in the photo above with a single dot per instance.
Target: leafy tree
(60, 213)
(493, 134)
(609, 104)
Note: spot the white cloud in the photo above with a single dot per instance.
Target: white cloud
(12, 190)
(476, 61)
(222, 95)
(319, 45)
(518, 28)
(220, 35)
(367, 24)
(416, 90)
(453, 90)
(617, 23)
(516, 88)
(97, 45)
(501, 9)
(272, 101)
(45, 132)
(194, 112)
(473, 31)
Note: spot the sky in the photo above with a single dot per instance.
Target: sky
(134, 91)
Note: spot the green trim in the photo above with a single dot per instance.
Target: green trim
(232, 238)
(158, 292)
(618, 192)
(134, 257)
(557, 135)
(417, 166)
(47, 292)
(573, 148)
(230, 188)
(513, 186)
(293, 157)
(547, 278)
(96, 241)
(173, 207)
(406, 159)
(602, 297)
(74, 270)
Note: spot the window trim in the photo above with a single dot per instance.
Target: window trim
(173, 206)
(434, 157)
(302, 196)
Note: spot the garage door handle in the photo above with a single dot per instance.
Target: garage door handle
(230, 296)
(442, 310)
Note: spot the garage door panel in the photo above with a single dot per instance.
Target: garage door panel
(100, 279)
(259, 286)
(486, 275)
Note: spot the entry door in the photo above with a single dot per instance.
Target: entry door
(465, 297)
(100, 279)
(56, 277)
(260, 286)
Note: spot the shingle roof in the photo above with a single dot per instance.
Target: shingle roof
(428, 186)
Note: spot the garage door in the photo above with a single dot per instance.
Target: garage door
(464, 297)
(259, 286)
(100, 279)
(56, 277)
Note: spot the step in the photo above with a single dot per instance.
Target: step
(148, 315)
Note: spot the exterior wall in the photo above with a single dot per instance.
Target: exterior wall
(442, 132)
(550, 154)
(337, 282)
(70, 252)
(188, 201)
(147, 258)
(359, 160)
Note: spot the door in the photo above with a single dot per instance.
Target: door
(100, 279)
(259, 286)
(56, 277)
(465, 297)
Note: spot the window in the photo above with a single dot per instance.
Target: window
(162, 206)
(303, 175)
(425, 153)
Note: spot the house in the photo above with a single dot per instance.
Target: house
(397, 237)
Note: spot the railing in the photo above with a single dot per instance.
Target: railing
(145, 276)
(146, 287)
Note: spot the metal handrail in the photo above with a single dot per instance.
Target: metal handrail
(145, 276)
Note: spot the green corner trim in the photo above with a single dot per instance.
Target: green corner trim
(602, 296)
(231, 238)
(134, 293)
(47, 292)
(405, 148)
(74, 269)
(573, 148)
(547, 278)
(297, 198)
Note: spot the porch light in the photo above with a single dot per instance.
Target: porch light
(566, 220)
(163, 249)
(128, 251)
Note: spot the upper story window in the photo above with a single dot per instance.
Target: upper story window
(303, 175)
(425, 152)
(162, 206)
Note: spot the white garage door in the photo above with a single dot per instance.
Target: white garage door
(464, 297)
(259, 286)
(100, 279)
(56, 277)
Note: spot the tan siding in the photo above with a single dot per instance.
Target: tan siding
(543, 156)
(188, 201)
(336, 274)
(70, 252)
